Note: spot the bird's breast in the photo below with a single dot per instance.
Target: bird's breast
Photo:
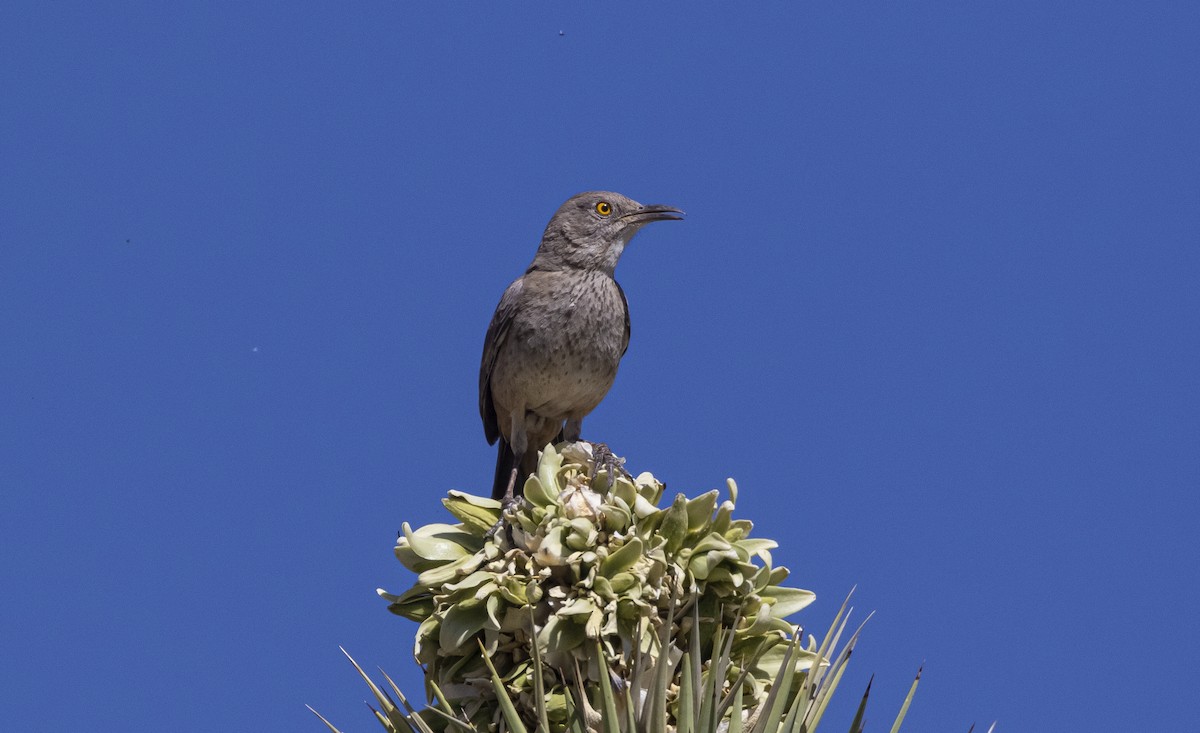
(564, 345)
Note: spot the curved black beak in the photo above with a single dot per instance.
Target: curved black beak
(654, 212)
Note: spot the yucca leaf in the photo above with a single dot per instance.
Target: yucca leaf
(539, 682)
(825, 693)
(511, 717)
(450, 719)
(827, 687)
(722, 644)
(829, 642)
(392, 713)
(629, 721)
(770, 709)
(856, 725)
(387, 725)
(654, 714)
(697, 659)
(412, 719)
(323, 720)
(439, 698)
(578, 724)
(908, 700)
(685, 712)
(608, 704)
(736, 708)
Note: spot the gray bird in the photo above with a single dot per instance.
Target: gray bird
(560, 330)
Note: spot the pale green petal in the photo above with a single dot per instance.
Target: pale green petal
(788, 600)
(477, 513)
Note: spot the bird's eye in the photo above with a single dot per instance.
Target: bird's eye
(603, 208)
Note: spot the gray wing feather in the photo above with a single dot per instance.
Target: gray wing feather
(492, 344)
(625, 306)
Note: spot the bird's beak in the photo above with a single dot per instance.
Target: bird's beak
(654, 212)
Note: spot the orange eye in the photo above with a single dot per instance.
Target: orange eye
(604, 208)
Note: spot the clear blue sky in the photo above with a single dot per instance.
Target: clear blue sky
(936, 307)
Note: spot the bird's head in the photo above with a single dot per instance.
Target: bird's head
(591, 229)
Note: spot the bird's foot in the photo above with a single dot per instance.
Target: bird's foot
(508, 502)
(508, 506)
(604, 458)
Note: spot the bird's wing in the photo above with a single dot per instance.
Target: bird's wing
(624, 305)
(492, 344)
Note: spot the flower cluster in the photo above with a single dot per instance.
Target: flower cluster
(588, 577)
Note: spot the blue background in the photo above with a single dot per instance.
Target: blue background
(935, 306)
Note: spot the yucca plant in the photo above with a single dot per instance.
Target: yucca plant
(588, 608)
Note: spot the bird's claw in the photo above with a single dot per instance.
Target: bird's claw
(604, 458)
(508, 504)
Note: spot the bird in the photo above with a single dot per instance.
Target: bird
(558, 334)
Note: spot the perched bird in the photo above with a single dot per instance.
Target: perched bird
(559, 332)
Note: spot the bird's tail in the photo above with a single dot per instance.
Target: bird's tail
(504, 464)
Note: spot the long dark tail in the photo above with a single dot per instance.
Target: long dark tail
(504, 464)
